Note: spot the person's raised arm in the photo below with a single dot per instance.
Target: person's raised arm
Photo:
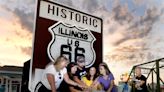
(95, 84)
(68, 80)
(76, 79)
(51, 80)
(142, 82)
(111, 82)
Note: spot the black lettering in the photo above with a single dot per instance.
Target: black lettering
(90, 21)
(71, 14)
(63, 11)
(61, 30)
(68, 42)
(66, 32)
(78, 17)
(64, 52)
(85, 19)
(85, 36)
(94, 22)
(77, 52)
(51, 9)
(80, 35)
(74, 34)
(57, 11)
(76, 43)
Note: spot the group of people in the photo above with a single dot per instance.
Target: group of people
(79, 79)
(76, 77)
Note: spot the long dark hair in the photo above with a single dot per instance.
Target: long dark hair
(69, 67)
(105, 67)
(88, 76)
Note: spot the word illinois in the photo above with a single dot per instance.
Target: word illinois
(72, 33)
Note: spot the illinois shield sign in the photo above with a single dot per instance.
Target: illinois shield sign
(61, 30)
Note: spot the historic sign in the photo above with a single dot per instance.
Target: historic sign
(60, 30)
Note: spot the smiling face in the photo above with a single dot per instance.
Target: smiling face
(74, 69)
(81, 61)
(81, 64)
(92, 71)
(102, 70)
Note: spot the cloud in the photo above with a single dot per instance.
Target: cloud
(135, 29)
(145, 23)
(26, 50)
(27, 20)
(90, 5)
(130, 35)
(15, 41)
(121, 14)
(67, 2)
(16, 20)
(128, 27)
(23, 10)
(132, 30)
(138, 2)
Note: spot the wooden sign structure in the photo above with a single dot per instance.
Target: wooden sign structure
(60, 30)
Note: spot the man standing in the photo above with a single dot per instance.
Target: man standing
(140, 81)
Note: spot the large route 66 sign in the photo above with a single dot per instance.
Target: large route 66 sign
(61, 30)
(72, 42)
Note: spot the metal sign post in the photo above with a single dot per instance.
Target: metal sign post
(158, 76)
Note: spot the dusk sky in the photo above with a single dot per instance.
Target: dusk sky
(133, 30)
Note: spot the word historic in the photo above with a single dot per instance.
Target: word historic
(71, 15)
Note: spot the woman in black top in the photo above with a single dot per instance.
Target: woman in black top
(71, 70)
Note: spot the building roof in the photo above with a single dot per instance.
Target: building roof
(11, 68)
(11, 71)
